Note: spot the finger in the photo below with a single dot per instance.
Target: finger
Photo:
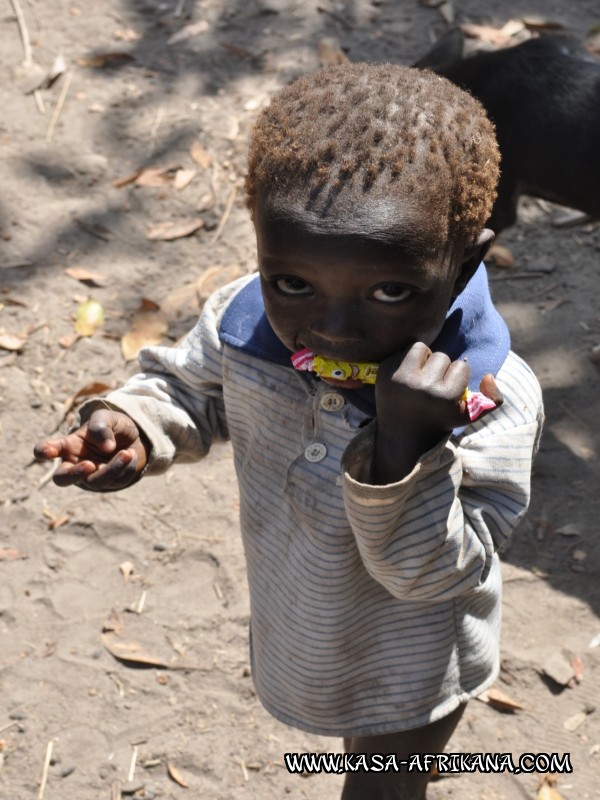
(489, 388)
(70, 474)
(101, 430)
(456, 378)
(417, 356)
(117, 473)
(67, 447)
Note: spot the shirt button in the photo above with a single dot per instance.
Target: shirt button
(315, 452)
(332, 401)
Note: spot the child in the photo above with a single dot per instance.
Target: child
(371, 515)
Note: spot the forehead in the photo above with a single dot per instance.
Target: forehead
(387, 231)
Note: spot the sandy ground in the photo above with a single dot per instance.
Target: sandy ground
(161, 565)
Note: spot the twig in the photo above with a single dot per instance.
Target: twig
(48, 475)
(46, 770)
(27, 49)
(226, 213)
(59, 104)
(155, 126)
(517, 275)
(140, 605)
(23, 30)
(9, 725)
(131, 775)
(544, 290)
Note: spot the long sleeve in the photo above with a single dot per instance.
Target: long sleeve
(432, 536)
(177, 398)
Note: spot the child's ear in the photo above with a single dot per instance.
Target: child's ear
(473, 255)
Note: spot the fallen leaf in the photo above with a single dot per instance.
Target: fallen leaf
(498, 699)
(183, 178)
(188, 32)
(105, 59)
(500, 256)
(92, 389)
(9, 341)
(215, 277)
(156, 176)
(11, 554)
(570, 529)
(200, 155)
(539, 23)
(68, 340)
(577, 666)
(330, 52)
(86, 276)
(89, 317)
(148, 327)
(127, 35)
(546, 790)
(176, 776)
(131, 652)
(126, 569)
(485, 33)
(174, 229)
(55, 521)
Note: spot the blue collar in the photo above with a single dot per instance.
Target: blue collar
(473, 330)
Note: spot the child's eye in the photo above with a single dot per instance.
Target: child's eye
(293, 286)
(392, 293)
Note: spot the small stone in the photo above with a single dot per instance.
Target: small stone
(18, 715)
(160, 546)
(67, 771)
(132, 788)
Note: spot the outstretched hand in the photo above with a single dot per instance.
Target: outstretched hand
(105, 454)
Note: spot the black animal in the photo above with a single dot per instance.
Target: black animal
(544, 98)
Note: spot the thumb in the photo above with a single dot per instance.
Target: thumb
(478, 404)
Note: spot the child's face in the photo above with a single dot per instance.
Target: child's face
(353, 294)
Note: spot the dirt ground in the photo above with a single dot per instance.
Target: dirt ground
(161, 565)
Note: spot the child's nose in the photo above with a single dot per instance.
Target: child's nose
(337, 324)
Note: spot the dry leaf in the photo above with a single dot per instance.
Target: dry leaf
(486, 34)
(500, 256)
(68, 340)
(131, 652)
(11, 554)
(105, 59)
(498, 699)
(570, 529)
(539, 23)
(89, 317)
(546, 790)
(200, 155)
(148, 327)
(572, 723)
(156, 176)
(92, 389)
(188, 32)
(216, 277)
(55, 521)
(175, 775)
(330, 52)
(183, 178)
(87, 276)
(127, 35)
(126, 570)
(8, 341)
(174, 229)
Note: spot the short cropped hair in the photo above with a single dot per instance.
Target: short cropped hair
(355, 129)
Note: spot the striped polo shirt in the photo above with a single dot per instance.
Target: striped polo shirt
(373, 608)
